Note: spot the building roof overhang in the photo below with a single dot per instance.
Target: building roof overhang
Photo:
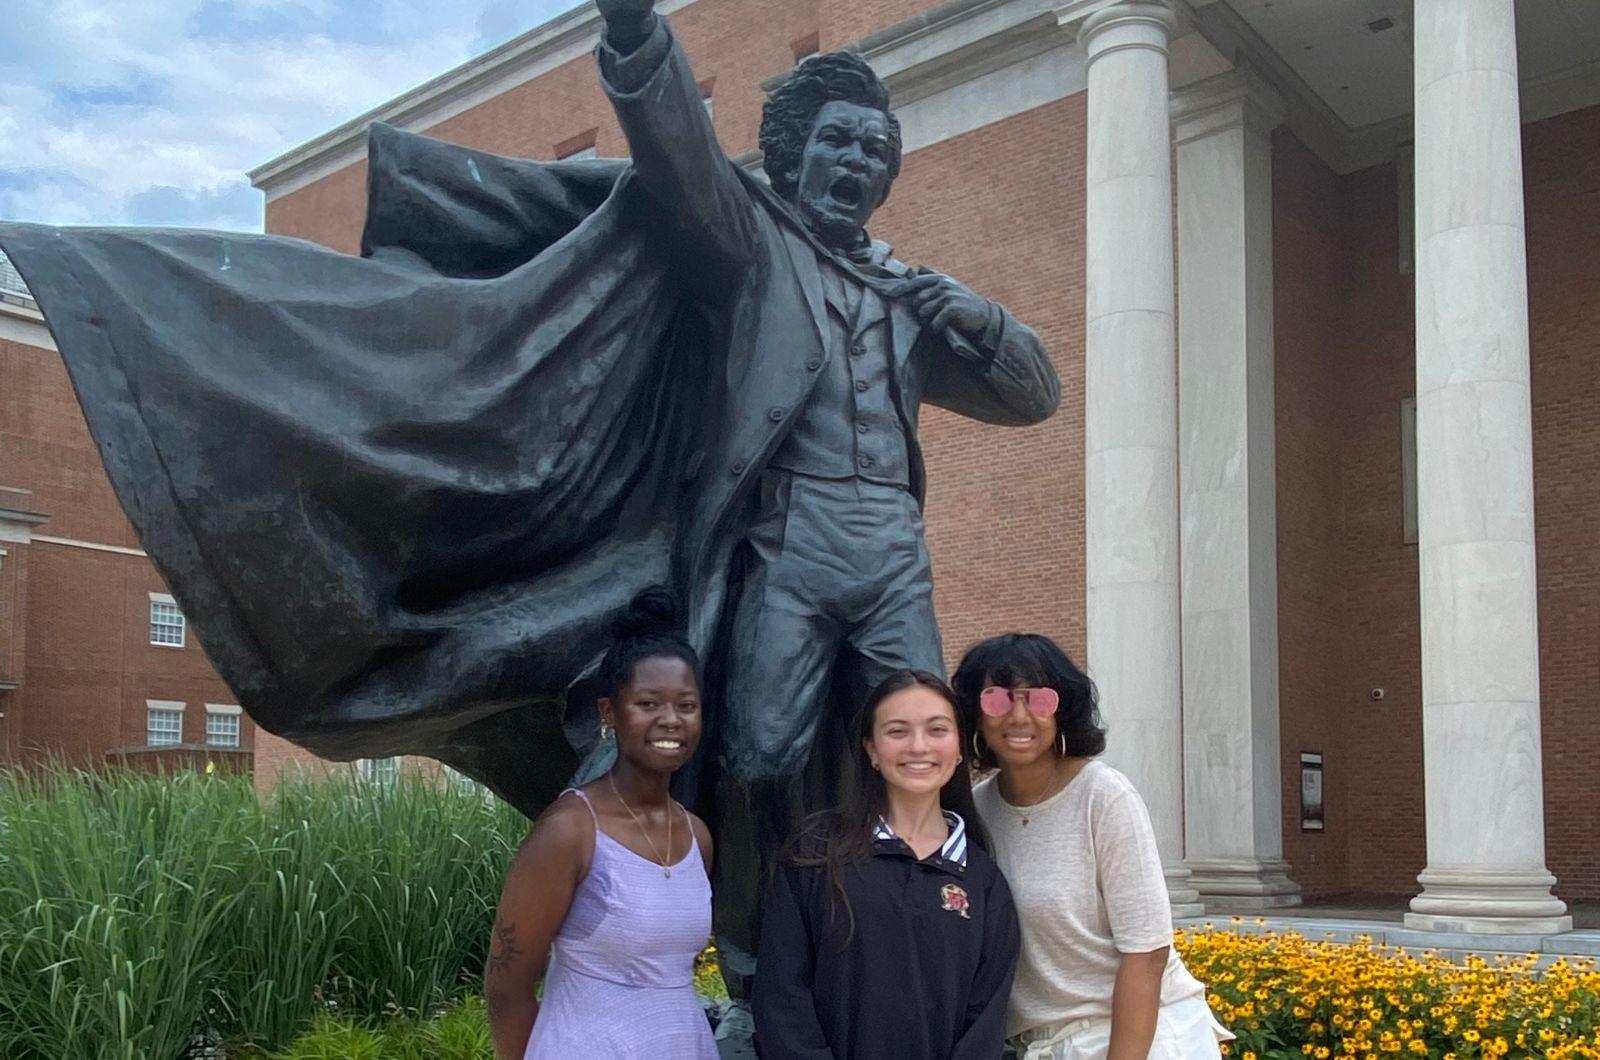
(960, 41)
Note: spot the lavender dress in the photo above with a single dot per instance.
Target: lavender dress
(621, 977)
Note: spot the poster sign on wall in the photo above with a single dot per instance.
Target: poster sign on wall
(1310, 792)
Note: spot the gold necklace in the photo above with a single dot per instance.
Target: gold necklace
(1057, 785)
(666, 869)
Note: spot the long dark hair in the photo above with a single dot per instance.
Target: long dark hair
(836, 839)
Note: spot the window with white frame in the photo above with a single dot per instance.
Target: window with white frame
(166, 621)
(580, 155)
(381, 771)
(222, 725)
(163, 724)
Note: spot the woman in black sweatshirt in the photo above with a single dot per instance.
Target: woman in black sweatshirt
(889, 932)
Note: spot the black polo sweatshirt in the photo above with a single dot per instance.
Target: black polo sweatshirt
(925, 976)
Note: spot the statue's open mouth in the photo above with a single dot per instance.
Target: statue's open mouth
(846, 191)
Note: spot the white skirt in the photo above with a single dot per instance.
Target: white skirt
(1185, 1030)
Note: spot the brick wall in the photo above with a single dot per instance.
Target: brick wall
(847, 21)
(13, 638)
(1002, 208)
(1562, 182)
(45, 447)
(90, 665)
(13, 608)
(277, 759)
(1308, 248)
(1375, 369)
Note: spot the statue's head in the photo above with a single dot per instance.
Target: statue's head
(832, 146)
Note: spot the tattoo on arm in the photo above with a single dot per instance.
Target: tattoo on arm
(503, 948)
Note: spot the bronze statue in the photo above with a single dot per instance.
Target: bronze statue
(833, 589)
(402, 495)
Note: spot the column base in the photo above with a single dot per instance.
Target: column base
(1510, 901)
(1184, 898)
(1243, 885)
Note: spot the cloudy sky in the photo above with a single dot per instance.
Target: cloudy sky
(149, 112)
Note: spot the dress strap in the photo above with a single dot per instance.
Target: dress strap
(580, 793)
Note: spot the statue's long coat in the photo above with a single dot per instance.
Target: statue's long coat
(402, 495)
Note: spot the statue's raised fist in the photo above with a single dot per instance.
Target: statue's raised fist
(625, 11)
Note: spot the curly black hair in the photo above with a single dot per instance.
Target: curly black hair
(791, 112)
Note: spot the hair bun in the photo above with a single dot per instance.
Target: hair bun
(653, 610)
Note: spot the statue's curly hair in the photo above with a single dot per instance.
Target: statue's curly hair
(791, 112)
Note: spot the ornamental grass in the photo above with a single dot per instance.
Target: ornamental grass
(139, 911)
(1286, 996)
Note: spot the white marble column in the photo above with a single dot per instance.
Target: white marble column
(1227, 488)
(1480, 644)
(1130, 416)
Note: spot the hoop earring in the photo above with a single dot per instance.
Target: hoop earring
(977, 755)
(1061, 740)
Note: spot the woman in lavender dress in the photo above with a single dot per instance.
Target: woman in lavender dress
(611, 886)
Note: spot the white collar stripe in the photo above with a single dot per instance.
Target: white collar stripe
(954, 847)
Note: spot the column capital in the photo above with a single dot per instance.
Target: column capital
(1240, 98)
(1147, 24)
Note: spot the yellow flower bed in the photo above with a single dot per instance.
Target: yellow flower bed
(1286, 997)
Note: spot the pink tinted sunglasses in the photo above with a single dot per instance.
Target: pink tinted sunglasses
(1041, 702)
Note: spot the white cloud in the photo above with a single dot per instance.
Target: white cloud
(151, 111)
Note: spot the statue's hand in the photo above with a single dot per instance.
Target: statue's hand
(944, 302)
(625, 13)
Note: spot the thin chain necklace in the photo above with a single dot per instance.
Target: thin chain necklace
(666, 867)
(1057, 785)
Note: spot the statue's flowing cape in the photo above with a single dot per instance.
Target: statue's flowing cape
(399, 495)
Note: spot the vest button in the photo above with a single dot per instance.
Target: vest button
(737, 468)
(813, 364)
(861, 428)
(775, 414)
(858, 350)
(861, 385)
(866, 461)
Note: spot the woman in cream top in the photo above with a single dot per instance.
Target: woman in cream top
(1098, 978)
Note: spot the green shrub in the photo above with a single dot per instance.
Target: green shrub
(460, 1032)
(136, 908)
(333, 1039)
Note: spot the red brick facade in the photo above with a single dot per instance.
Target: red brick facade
(1562, 158)
(1005, 507)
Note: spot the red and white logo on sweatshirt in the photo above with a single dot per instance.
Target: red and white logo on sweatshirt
(955, 900)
